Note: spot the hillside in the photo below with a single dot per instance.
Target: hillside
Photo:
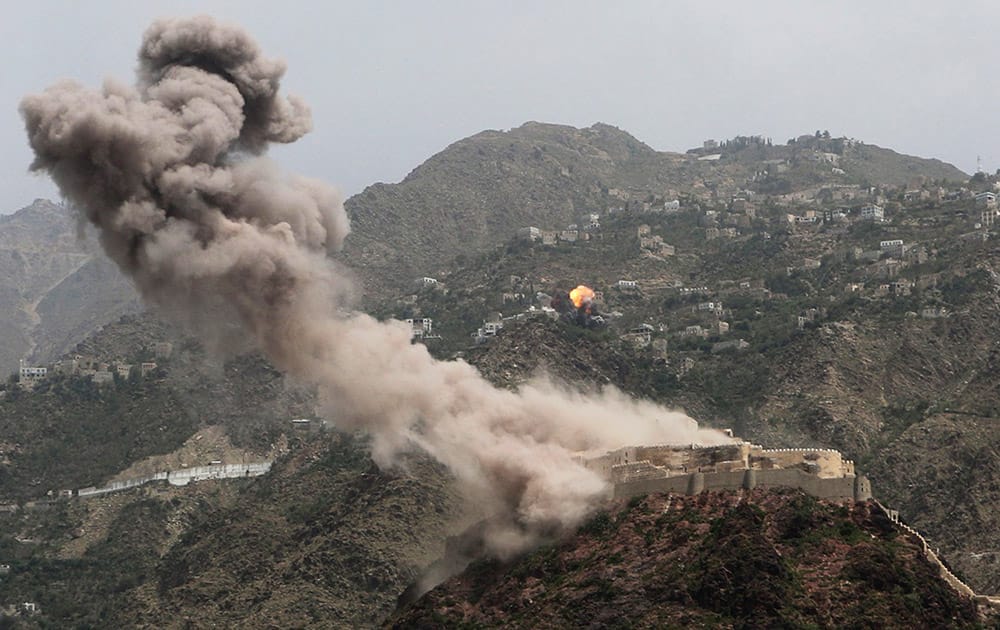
(53, 291)
(325, 535)
(833, 341)
(769, 559)
(463, 201)
(325, 540)
(96, 431)
(479, 191)
(887, 356)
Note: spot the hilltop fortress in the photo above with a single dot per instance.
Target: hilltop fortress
(823, 473)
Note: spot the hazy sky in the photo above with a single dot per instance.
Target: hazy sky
(391, 83)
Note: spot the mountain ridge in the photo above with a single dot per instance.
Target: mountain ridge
(44, 254)
(489, 185)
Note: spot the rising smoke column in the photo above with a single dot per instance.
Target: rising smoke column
(171, 173)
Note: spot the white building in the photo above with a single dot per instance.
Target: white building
(489, 329)
(492, 328)
(627, 284)
(530, 233)
(873, 212)
(420, 327)
(640, 336)
(893, 247)
(986, 198)
(29, 376)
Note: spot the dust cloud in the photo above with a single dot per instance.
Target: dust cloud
(172, 173)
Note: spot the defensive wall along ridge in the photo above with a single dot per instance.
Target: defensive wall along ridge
(822, 473)
(178, 477)
(182, 477)
(986, 601)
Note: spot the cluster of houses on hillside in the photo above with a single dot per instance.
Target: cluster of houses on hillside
(869, 212)
(100, 371)
(588, 226)
(665, 206)
(704, 323)
(653, 244)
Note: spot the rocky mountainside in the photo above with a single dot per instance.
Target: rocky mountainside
(95, 431)
(479, 191)
(325, 539)
(889, 357)
(721, 560)
(54, 291)
(874, 398)
(885, 355)
(465, 200)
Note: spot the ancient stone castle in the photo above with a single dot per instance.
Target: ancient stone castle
(823, 473)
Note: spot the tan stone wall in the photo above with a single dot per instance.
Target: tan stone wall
(824, 463)
(823, 488)
(729, 457)
(646, 462)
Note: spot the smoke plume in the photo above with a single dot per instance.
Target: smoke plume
(171, 173)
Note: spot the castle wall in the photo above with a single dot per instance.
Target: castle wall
(825, 463)
(823, 488)
(182, 477)
(680, 460)
(673, 459)
(731, 456)
(943, 571)
(646, 486)
(724, 480)
(636, 471)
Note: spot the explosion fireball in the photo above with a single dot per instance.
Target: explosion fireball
(582, 296)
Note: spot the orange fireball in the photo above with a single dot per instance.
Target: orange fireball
(581, 295)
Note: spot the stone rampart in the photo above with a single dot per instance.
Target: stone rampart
(633, 463)
(823, 462)
(944, 571)
(181, 477)
(185, 476)
(823, 488)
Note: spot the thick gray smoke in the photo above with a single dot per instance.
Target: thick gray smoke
(170, 173)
